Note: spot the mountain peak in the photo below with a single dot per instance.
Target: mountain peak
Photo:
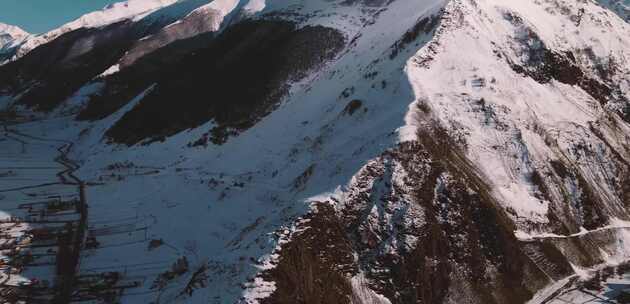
(14, 31)
(111, 13)
(116, 12)
(10, 37)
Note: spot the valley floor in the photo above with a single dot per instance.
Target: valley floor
(43, 218)
(112, 242)
(46, 237)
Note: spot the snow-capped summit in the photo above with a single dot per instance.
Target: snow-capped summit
(116, 12)
(10, 34)
(113, 13)
(10, 37)
(12, 30)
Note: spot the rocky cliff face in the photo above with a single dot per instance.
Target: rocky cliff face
(486, 151)
(462, 151)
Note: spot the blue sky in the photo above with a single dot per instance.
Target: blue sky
(38, 16)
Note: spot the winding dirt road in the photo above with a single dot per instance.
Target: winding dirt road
(70, 244)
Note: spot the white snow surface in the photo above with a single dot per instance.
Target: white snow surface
(12, 31)
(191, 198)
(225, 205)
(507, 148)
(11, 36)
(119, 11)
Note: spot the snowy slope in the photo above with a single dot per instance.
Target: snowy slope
(456, 151)
(10, 37)
(10, 32)
(496, 106)
(108, 15)
(196, 18)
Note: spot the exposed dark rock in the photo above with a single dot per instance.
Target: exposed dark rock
(562, 67)
(301, 181)
(543, 64)
(423, 26)
(560, 168)
(316, 266)
(352, 107)
(591, 207)
(8, 53)
(626, 111)
(462, 235)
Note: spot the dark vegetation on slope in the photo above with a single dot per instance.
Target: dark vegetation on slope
(235, 81)
(51, 73)
(120, 88)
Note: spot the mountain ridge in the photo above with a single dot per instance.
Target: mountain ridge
(461, 151)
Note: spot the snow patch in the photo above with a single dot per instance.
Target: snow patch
(110, 71)
(362, 294)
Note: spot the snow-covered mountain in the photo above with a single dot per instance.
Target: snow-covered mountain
(11, 32)
(116, 12)
(10, 37)
(346, 151)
